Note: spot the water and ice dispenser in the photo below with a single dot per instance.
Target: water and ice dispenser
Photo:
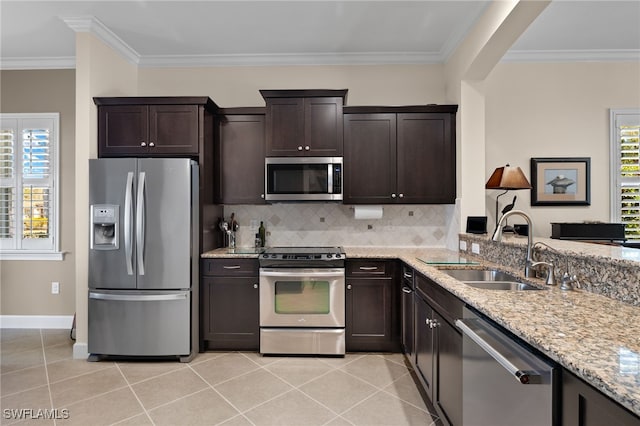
(104, 226)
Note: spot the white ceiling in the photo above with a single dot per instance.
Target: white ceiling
(40, 34)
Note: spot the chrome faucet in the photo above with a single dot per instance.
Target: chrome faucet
(530, 264)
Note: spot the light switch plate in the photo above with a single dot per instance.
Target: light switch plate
(463, 245)
(55, 287)
(475, 248)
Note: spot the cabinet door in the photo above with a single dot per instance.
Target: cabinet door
(447, 394)
(426, 158)
(407, 321)
(369, 158)
(231, 313)
(122, 130)
(240, 160)
(582, 405)
(173, 129)
(424, 345)
(323, 127)
(285, 127)
(371, 312)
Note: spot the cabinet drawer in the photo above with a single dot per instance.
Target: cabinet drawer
(451, 305)
(230, 267)
(369, 268)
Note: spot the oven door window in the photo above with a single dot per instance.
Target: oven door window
(302, 297)
(297, 179)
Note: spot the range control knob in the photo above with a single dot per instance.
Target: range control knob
(329, 255)
(338, 255)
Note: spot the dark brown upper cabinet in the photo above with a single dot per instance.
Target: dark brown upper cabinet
(403, 155)
(239, 156)
(152, 126)
(304, 122)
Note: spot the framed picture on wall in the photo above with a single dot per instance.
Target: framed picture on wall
(560, 181)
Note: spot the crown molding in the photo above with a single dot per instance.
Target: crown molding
(611, 55)
(303, 59)
(348, 58)
(90, 24)
(43, 63)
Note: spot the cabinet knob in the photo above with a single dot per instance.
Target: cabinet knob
(401, 195)
(152, 144)
(261, 195)
(255, 286)
(349, 287)
(300, 148)
(307, 148)
(143, 144)
(393, 195)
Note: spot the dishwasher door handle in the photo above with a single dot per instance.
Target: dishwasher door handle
(471, 328)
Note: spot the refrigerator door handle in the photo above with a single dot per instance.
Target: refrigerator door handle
(128, 221)
(137, 297)
(140, 222)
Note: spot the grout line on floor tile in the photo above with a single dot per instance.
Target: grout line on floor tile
(102, 367)
(152, 377)
(144, 409)
(46, 373)
(221, 395)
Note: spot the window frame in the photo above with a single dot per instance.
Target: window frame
(53, 251)
(615, 163)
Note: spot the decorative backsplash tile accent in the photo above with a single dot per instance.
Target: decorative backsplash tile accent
(327, 224)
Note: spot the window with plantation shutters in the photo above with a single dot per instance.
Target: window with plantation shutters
(28, 185)
(625, 171)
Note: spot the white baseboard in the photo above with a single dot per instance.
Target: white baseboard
(80, 350)
(36, 321)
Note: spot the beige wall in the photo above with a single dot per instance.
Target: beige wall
(26, 285)
(556, 110)
(239, 86)
(99, 72)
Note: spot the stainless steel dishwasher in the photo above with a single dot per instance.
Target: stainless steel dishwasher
(504, 383)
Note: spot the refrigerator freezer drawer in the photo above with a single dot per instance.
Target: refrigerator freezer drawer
(138, 323)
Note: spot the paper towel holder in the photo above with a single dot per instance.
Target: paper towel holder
(367, 212)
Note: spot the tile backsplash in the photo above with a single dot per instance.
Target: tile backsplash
(327, 224)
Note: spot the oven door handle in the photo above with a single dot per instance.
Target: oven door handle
(294, 272)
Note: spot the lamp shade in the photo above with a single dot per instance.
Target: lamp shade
(508, 177)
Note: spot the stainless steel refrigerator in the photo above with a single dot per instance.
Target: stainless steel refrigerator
(143, 258)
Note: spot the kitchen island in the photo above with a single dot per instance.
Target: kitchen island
(591, 335)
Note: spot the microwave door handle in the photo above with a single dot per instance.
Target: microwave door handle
(330, 178)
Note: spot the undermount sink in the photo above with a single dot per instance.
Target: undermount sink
(489, 279)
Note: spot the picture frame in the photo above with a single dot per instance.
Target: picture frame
(561, 181)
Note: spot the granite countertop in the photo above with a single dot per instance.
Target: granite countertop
(595, 337)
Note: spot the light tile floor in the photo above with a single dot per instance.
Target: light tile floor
(226, 388)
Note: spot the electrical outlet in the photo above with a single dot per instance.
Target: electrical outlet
(475, 248)
(55, 287)
(463, 245)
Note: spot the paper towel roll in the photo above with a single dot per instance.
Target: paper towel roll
(367, 212)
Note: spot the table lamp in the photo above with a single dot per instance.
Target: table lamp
(507, 178)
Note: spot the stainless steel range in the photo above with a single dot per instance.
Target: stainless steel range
(302, 301)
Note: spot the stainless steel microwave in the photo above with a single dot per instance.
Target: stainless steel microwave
(303, 178)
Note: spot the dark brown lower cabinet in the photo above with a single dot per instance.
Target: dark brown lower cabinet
(438, 348)
(230, 305)
(582, 405)
(372, 314)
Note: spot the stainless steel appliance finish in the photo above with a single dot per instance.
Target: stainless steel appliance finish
(303, 179)
(302, 302)
(143, 291)
(504, 383)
